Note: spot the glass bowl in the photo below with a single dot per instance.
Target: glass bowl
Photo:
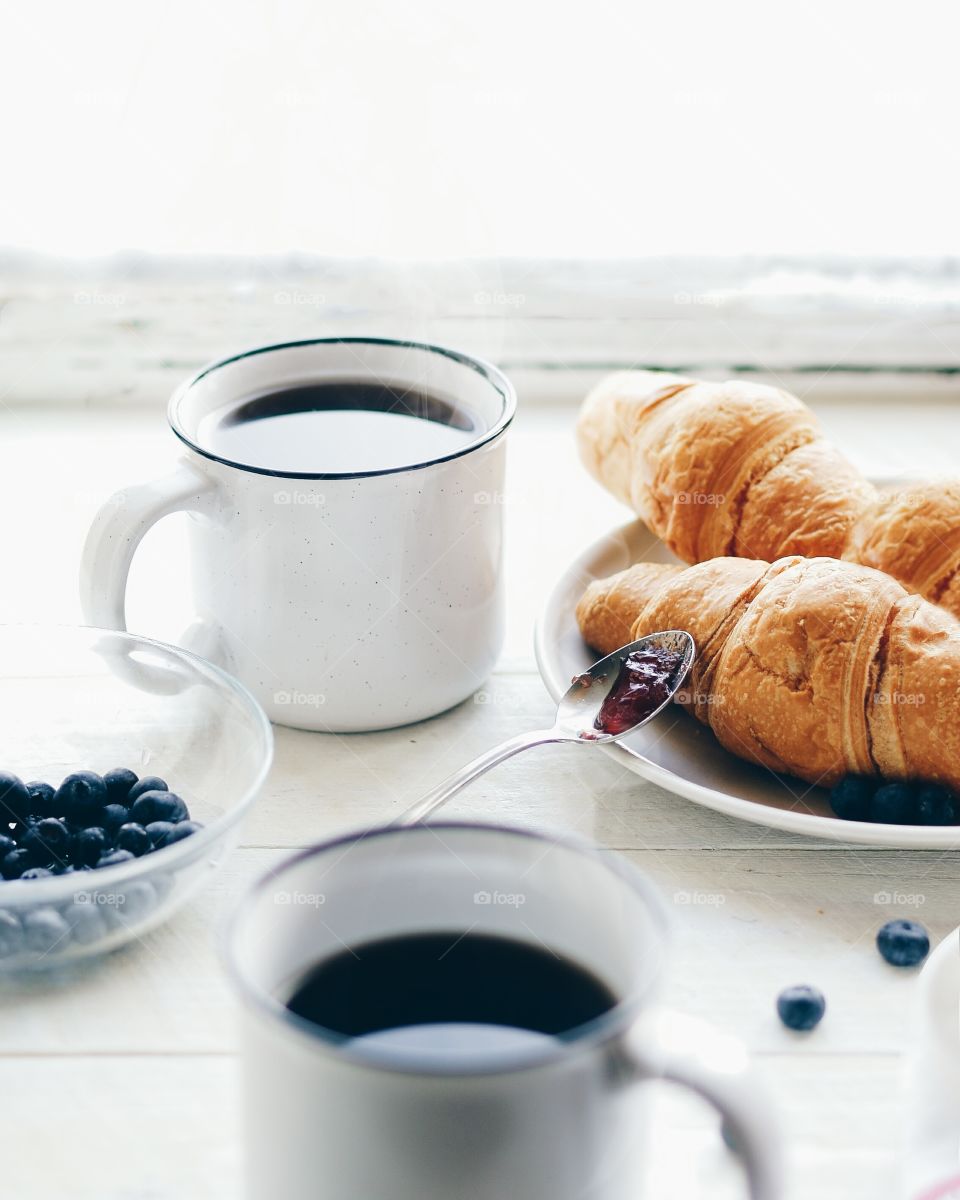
(75, 699)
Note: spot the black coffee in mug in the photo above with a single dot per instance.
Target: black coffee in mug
(449, 992)
(335, 427)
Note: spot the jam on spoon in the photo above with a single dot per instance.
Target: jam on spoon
(659, 662)
(644, 682)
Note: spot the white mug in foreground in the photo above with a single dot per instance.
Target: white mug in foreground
(549, 1118)
(346, 601)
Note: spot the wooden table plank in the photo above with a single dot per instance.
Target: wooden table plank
(747, 923)
(340, 782)
(149, 1128)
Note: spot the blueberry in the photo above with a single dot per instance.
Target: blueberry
(14, 798)
(134, 838)
(44, 929)
(158, 806)
(149, 783)
(181, 830)
(7, 844)
(114, 858)
(28, 822)
(850, 798)
(11, 934)
(118, 783)
(160, 833)
(81, 798)
(15, 863)
(903, 943)
(42, 798)
(894, 804)
(87, 846)
(115, 815)
(937, 806)
(63, 869)
(801, 1007)
(36, 873)
(46, 840)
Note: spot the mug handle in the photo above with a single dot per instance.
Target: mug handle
(679, 1049)
(118, 529)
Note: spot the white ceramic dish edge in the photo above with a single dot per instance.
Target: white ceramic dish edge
(556, 634)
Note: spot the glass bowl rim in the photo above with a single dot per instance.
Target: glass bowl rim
(36, 893)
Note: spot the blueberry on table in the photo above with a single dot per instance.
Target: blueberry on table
(115, 815)
(42, 798)
(119, 783)
(114, 858)
(81, 798)
(36, 873)
(850, 798)
(149, 783)
(801, 1007)
(134, 838)
(894, 804)
(158, 806)
(937, 806)
(87, 846)
(182, 830)
(159, 833)
(15, 863)
(44, 929)
(11, 934)
(903, 943)
(14, 798)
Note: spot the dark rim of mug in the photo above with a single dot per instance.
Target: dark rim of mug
(493, 375)
(609, 1025)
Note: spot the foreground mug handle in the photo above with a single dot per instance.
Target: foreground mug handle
(117, 530)
(669, 1046)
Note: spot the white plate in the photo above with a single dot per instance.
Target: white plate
(678, 752)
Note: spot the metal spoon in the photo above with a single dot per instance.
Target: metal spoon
(576, 716)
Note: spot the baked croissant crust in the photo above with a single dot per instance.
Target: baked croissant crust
(743, 469)
(809, 666)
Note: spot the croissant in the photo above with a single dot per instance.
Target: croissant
(809, 666)
(743, 469)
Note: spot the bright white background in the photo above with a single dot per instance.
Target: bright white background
(434, 129)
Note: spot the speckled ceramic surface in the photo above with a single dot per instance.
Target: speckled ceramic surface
(344, 602)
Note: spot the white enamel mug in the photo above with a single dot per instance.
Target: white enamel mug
(344, 602)
(564, 1118)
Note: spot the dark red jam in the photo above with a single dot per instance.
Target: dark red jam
(643, 684)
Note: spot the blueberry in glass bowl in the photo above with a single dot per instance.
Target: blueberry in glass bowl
(126, 767)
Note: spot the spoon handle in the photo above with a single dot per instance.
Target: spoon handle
(439, 795)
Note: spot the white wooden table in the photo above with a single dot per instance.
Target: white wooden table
(122, 1083)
